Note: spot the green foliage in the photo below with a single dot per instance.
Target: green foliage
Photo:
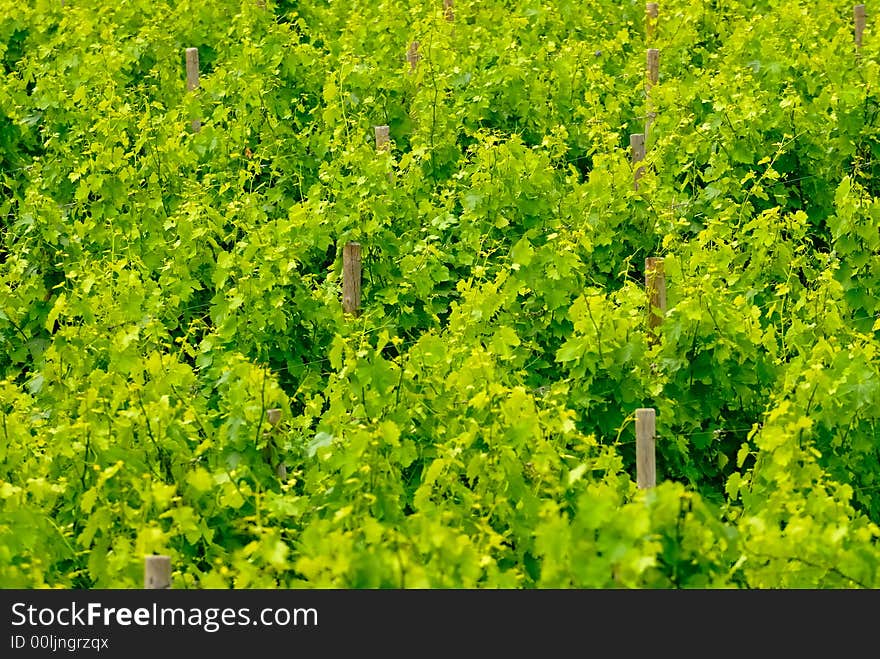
(177, 375)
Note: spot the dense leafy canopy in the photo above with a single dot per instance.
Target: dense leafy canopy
(161, 289)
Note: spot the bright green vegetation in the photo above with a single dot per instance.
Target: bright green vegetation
(161, 289)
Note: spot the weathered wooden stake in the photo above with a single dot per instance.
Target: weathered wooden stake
(859, 20)
(652, 11)
(273, 416)
(351, 278)
(653, 75)
(652, 61)
(382, 138)
(412, 55)
(655, 287)
(192, 79)
(637, 153)
(157, 572)
(646, 432)
(448, 10)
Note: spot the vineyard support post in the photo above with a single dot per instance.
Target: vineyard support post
(412, 55)
(383, 137)
(383, 143)
(637, 154)
(646, 432)
(157, 572)
(351, 278)
(655, 288)
(652, 67)
(192, 79)
(859, 20)
(273, 416)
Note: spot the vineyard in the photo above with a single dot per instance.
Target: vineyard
(309, 294)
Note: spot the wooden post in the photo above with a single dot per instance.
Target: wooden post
(646, 432)
(157, 572)
(412, 55)
(192, 69)
(448, 10)
(382, 138)
(652, 11)
(273, 416)
(351, 278)
(859, 20)
(655, 287)
(652, 61)
(192, 79)
(383, 143)
(653, 75)
(637, 152)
